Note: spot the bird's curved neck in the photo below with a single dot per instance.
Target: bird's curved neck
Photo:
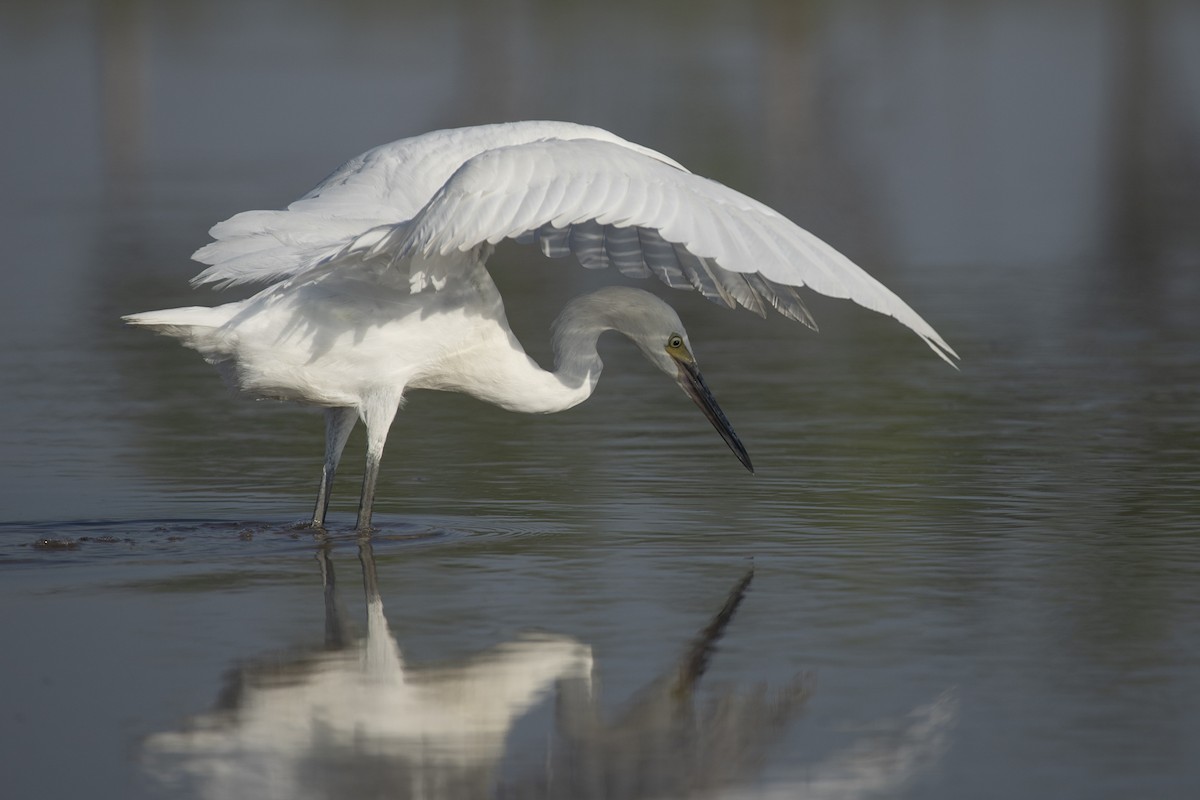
(576, 360)
(505, 375)
(509, 378)
(577, 367)
(577, 363)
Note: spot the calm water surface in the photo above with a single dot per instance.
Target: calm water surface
(982, 583)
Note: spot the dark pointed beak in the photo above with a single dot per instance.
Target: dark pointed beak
(691, 382)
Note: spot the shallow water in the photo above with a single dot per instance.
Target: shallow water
(982, 583)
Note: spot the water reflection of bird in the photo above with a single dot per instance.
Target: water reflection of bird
(354, 720)
(381, 286)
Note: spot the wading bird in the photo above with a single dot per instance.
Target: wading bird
(379, 283)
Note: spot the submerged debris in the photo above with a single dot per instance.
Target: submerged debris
(46, 543)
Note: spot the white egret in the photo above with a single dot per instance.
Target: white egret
(379, 283)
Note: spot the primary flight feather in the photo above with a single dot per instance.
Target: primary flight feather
(379, 282)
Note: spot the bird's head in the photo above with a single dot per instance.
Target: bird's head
(658, 332)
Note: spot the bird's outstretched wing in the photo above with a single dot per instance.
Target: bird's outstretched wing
(609, 205)
(570, 189)
(384, 186)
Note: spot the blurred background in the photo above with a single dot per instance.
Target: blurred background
(1022, 534)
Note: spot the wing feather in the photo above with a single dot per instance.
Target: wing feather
(587, 243)
(659, 254)
(555, 242)
(625, 251)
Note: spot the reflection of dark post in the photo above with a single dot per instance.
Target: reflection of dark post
(1135, 113)
(1155, 164)
(809, 171)
(789, 94)
(488, 85)
(120, 71)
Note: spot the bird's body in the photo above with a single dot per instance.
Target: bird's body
(333, 341)
(381, 285)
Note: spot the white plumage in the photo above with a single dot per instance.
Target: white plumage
(380, 284)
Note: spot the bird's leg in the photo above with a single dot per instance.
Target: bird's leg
(374, 456)
(378, 413)
(338, 424)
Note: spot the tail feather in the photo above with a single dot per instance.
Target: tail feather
(194, 326)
